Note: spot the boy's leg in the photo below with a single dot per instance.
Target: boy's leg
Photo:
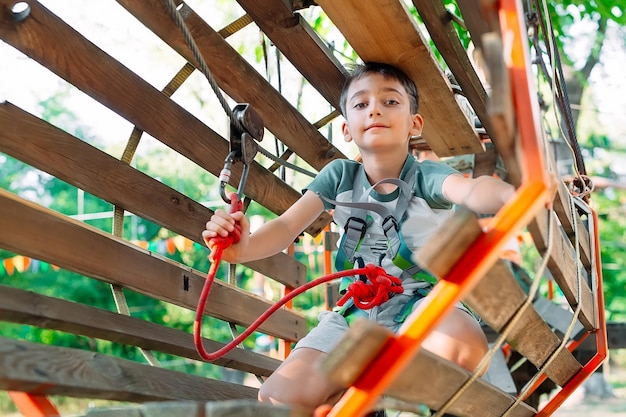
(459, 339)
(298, 382)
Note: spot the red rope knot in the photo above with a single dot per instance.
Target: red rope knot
(373, 293)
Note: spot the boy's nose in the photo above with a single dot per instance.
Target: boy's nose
(375, 111)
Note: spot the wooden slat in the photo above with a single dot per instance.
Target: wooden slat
(451, 241)
(562, 268)
(428, 379)
(37, 143)
(238, 79)
(50, 370)
(292, 35)
(42, 234)
(446, 39)
(52, 313)
(388, 33)
(496, 298)
(229, 408)
(51, 42)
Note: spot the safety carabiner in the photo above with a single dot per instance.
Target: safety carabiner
(244, 130)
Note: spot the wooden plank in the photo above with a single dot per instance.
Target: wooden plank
(444, 377)
(562, 267)
(37, 143)
(228, 408)
(388, 33)
(496, 298)
(557, 317)
(446, 39)
(453, 238)
(563, 203)
(88, 251)
(88, 68)
(293, 36)
(238, 79)
(51, 370)
(52, 313)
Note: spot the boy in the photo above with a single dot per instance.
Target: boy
(380, 105)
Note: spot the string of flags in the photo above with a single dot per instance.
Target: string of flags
(20, 264)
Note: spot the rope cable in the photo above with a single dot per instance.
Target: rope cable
(201, 63)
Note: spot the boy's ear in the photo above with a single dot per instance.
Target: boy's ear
(417, 126)
(346, 132)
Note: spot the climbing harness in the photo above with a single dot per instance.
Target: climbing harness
(355, 291)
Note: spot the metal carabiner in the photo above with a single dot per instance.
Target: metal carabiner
(247, 129)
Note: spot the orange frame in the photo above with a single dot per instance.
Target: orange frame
(529, 198)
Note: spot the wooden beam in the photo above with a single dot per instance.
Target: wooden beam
(42, 234)
(428, 379)
(300, 44)
(562, 267)
(88, 68)
(446, 39)
(51, 370)
(27, 307)
(37, 143)
(388, 33)
(238, 79)
(496, 299)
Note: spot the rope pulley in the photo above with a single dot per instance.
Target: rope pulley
(246, 128)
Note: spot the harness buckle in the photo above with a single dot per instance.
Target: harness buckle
(354, 231)
(389, 223)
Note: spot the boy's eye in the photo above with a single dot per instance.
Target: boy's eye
(392, 102)
(360, 105)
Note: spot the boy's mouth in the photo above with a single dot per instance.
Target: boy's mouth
(374, 126)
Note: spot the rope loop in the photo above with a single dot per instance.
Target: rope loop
(380, 287)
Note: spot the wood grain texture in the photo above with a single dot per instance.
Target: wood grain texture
(50, 370)
(91, 252)
(496, 299)
(300, 44)
(387, 33)
(52, 313)
(562, 267)
(43, 146)
(446, 39)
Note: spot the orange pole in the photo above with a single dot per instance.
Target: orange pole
(284, 346)
(530, 197)
(33, 405)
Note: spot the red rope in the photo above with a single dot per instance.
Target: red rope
(364, 297)
(367, 295)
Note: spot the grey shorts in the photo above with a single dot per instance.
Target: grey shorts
(332, 325)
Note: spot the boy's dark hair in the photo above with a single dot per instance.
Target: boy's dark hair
(386, 70)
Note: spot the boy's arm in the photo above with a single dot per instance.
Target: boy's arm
(271, 238)
(484, 195)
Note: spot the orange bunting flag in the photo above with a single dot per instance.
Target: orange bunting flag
(9, 266)
(170, 246)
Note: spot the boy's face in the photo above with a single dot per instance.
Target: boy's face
(378, 114)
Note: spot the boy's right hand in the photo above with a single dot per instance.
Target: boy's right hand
(222, 224)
